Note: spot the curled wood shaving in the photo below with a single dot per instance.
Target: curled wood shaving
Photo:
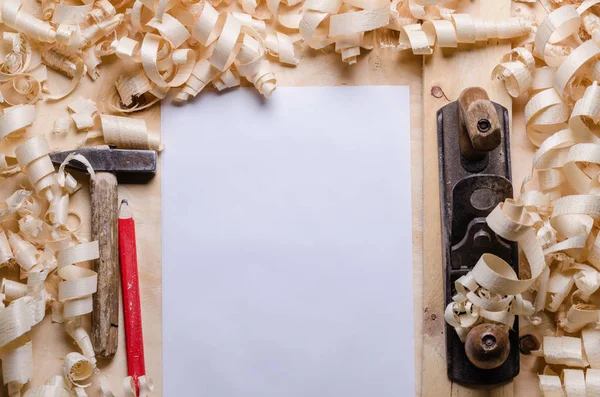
(34, 160)
(283, 47)
(461, 28)
(82, 339)
(8, 166)
(78, 368)
(65, 180)
(127, 133)
(574, 62)
(558, 25)
(516, 75)
(67, 63)
(21, 89)
(13, 290)
(26, 254)
(551, 386)
(545, 114)
(75, 292)
(136, 92)
(15, 119)
(60, 60)
(5, 249)
(565, 350)
(578, 316)
(17, 366)
(574, 382)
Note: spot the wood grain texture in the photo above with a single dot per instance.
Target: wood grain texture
(452, 70)
(449, 70)
(105, 317)
(507, 390)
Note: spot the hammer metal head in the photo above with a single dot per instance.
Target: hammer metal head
(129, 165)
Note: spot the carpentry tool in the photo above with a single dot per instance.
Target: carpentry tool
(108, 164)
(474, 160)
(136, 366)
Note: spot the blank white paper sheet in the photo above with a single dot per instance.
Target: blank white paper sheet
(287, 247)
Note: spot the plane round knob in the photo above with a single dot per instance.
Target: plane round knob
(487, 345)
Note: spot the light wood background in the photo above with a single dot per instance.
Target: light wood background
(451, 71)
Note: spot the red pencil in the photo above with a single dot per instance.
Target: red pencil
(131, 295)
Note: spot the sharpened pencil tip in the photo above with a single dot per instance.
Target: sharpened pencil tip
(124, 210)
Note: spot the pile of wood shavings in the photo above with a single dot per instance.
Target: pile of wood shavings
(167, 44)
(555, 219)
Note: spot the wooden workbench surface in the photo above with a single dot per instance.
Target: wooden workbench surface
(451, 71)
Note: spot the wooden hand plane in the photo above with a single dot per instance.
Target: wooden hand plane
(475, 175)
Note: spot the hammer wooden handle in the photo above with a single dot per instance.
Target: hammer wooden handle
(105, 317)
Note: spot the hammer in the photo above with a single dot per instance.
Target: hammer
(133, 166)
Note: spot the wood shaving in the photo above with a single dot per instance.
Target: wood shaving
(34, 160)
(127, 133)
(83, 112)
(15, 119)
(67, 63)
(516, 75)
(282, 47)
(78, 368)
(565, 350)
